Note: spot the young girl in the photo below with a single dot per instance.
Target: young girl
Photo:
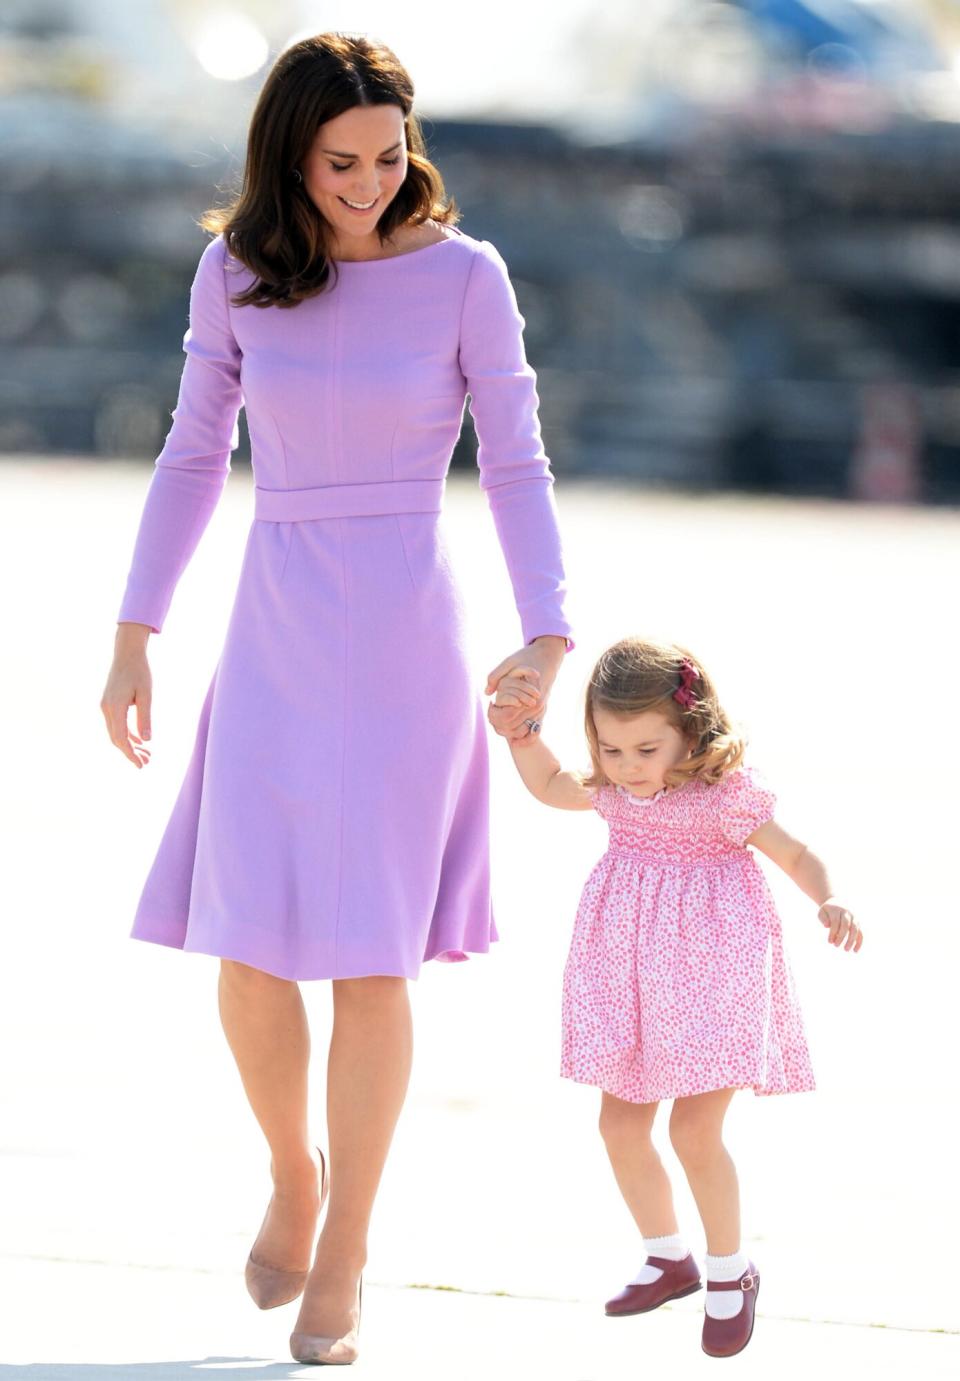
(677, 985)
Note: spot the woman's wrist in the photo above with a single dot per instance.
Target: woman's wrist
(132, 637)
(554, 645)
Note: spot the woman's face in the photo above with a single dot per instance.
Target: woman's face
(354, 169)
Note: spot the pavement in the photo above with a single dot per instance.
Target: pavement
(116, 1322)
(132, 1177)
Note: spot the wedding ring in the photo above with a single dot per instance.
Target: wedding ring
(533, 725)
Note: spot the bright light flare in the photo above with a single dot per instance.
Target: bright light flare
(229, 46)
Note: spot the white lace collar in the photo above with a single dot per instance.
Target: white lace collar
(641, 801)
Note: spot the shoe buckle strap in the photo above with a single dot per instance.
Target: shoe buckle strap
(746, 1282)
(665, 1263)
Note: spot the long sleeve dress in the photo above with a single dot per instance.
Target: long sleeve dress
(333, 820)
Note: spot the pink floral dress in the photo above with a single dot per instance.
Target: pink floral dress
(676, 981)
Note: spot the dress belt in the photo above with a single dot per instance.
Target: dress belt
(379, 498)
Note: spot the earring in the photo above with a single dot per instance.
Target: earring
(297, 176)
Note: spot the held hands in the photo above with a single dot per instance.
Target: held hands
(522, 684)
(841, 925)
(518, 694)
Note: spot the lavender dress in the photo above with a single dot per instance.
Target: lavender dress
(333, 821)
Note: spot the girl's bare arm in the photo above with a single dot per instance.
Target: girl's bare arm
(545, 778)
(810, 874)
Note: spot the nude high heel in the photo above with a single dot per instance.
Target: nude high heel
(330, 1352)
(270, 1286)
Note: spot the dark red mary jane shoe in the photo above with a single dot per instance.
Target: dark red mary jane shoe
(679, 1278)
(727, 1337)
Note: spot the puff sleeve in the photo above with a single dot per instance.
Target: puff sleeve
(514, 471)
(745, 803)
(600, 801)
(192, 468)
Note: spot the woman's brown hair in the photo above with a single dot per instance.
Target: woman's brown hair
(639, 674)
(272, 226)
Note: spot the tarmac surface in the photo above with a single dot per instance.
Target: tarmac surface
(133, 1177)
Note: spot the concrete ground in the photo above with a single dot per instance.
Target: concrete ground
(133, 1179)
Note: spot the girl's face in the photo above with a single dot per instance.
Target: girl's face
(360, 158)
(637, 751)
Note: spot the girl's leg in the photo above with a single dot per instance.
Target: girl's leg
(369, 1069)
(266, 1028)
(625, 1128)
(696, 1127)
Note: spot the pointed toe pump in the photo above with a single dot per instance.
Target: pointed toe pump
(270, 1286)
(329, 1352)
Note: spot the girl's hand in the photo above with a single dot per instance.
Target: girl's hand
(129, 683)
(519, 687)
(529, 675)
(841, 925)
(519, 690)
(517, 726)
(518, 705)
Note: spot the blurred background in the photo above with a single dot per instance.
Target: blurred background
(732, 225)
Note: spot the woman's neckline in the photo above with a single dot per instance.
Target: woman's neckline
(392, 258)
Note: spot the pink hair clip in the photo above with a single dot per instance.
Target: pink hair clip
(684, 693)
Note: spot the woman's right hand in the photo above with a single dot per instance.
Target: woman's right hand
(129, 683)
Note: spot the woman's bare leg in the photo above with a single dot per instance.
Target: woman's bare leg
(266, 1028)
(625, 1128)
(696, 1130)
(371, 1051)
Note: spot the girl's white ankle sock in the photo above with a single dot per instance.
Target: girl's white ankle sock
(725, 1304)
(672, 1248)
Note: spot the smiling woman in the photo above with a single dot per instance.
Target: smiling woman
(333, 822)
(360, 183)
(350, 149)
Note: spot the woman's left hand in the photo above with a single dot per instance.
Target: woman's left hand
(543, 658)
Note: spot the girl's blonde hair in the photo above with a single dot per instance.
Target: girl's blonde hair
(639, 674)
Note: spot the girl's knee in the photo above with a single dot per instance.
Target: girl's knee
(620, 1120)
(695, 1137)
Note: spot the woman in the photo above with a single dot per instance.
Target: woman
(333, 820)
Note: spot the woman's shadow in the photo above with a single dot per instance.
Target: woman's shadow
(216, 1368)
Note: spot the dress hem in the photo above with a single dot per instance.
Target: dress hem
(761, 1090)
(240, 954)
